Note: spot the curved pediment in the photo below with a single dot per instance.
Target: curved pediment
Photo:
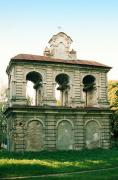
(60, 47)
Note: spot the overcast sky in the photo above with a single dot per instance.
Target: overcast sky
(27, 25)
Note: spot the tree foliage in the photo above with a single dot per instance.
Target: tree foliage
(3, 124)
(113, 94)
(113, 100)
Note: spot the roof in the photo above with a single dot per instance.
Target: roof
(37, 58)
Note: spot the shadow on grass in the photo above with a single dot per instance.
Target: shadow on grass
(13, 170)
(60, 155)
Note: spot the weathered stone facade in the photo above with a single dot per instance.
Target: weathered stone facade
(81, 117)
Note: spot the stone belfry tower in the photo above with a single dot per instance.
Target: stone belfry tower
(60, 47)
(69, 108)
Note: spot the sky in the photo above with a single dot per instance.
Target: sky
(27, 25)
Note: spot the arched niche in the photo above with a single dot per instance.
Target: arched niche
(34, 136)
(34, 88)
(62, 89)
(92, 134)
(89, 90)
(64, 135)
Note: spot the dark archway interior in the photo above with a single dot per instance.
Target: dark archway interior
(89, 83)
(62, 88)
(35, 78)
(62, 80)
(34, 85)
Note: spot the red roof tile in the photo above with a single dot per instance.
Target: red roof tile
(30, 57)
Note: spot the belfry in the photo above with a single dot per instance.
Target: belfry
(69, 109)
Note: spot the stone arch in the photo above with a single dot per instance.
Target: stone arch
(27, 71)
(65, 135)
(89, 90)
(35, 81)
(63, 72)
(93, 120)
(92, 134)
(34, 119)
(62, 81)
(34, 135)
(68, 120)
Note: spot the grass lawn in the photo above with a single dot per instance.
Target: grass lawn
(104, 175)
(32, 164)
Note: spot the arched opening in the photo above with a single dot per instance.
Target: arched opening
(89, 87)
(35, 136)
(34, 88)
(64, 136)
(62, 89)
(92, 135)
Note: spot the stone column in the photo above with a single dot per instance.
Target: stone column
(49, 94)
(103, 101)
(79, 133)
(50, 132)
(105, 132)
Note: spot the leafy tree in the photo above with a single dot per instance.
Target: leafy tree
(113, 94)
(2, 125)
(29, 100)
(3, 99)
(113, 100)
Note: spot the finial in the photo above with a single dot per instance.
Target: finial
(59, 27)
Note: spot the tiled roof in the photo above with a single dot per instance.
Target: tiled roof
(36, 58)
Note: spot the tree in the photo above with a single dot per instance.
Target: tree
(29, 100)
(113, 100)
(3, 124)
(113, 94)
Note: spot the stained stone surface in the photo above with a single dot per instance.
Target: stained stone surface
(92, 135)
(64, 136)
(34, 138)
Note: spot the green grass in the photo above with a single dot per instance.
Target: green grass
(104, 175)
(32, 164)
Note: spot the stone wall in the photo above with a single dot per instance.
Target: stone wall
(58, 129)
(17, 85)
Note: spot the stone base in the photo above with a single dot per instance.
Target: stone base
(32, 128)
